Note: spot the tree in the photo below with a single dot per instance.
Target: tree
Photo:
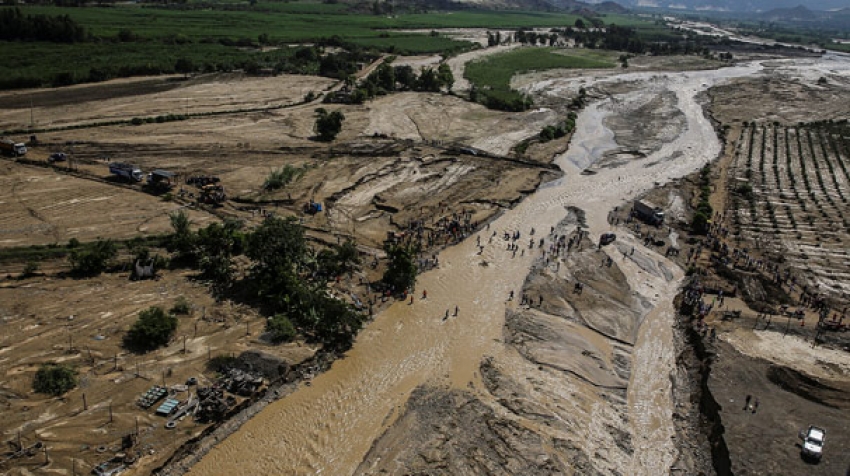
(579, 23)
(182, 241)
(153, 329)
(444, 74)
(328, 125)
(699, 225)
(428, 81)
(280, 328)
(401, 271)
(405, 77)
(184, 66)
(92, 260)
(54, 379)
(216, 245)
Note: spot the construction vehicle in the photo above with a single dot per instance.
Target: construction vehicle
(212, 194)
(12, 148)
(131, 173)
(162, 179)
(648, 212)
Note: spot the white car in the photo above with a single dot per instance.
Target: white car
(813, 443)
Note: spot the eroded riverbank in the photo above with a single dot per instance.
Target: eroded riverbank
(332, 425)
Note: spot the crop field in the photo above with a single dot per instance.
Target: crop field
(285, 22)
(494, 73)
(790, 196)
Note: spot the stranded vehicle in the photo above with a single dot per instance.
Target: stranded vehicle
(127, 172)
(648, 212)
(812, 443)
(10, 147)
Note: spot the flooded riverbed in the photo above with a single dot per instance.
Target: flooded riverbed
(328, 427)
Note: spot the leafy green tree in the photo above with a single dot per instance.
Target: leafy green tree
(92, 260)
(184, 66)
(328, 125)
(54, 379)
(428, 81)
(280, 328)
(216, 245)
(153, 329)
(405, 77)
(277, 246)
(182, 240)
(401, 271)
(445, 75)
(699, 224)
(385, 77)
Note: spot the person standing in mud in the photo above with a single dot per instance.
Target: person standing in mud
(747, 402)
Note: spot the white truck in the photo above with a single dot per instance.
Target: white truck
(10, 147)
(127, 172)
(813, 439)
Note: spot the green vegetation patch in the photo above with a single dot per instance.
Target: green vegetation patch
(54, 379)
(491, 77)
(413, 44)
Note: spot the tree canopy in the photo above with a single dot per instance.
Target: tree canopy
(153, 329)
(54, 379)
(328, 124)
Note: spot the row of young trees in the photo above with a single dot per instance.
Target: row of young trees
(14, 25)
(387, 79)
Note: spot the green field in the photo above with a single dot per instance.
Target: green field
(129, 39)
(496, 71)
(492, 75)
(284, 22)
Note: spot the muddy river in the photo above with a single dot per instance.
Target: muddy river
(328, 426)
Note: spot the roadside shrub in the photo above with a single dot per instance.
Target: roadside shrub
(153, 329)
(282, 177)
(30, 269)
(54, 379)
(92, 260)
(182, 307)
(280, 328)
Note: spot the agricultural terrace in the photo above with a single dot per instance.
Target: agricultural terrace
(492, 75)
(789, 195)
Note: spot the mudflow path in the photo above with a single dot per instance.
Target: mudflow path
(330, 426)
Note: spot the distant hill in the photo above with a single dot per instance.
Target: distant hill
(790, 14)
(732, 5)
(573, 6)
